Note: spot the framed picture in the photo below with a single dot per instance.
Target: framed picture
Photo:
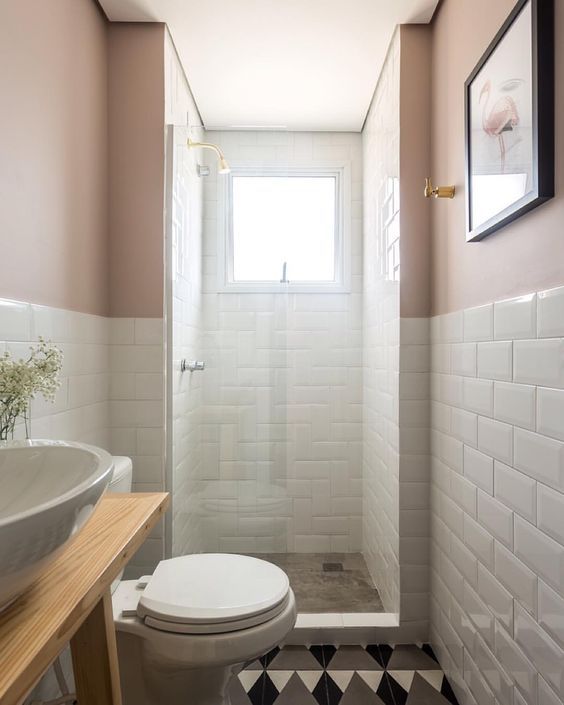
(509, 115)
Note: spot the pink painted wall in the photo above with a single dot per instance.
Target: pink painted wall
(136, 148)
(53, 154)
(415, 155)
(525, 256)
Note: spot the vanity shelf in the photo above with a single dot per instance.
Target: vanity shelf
(72, 602)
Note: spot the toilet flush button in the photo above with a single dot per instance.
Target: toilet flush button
(143, 582)
(129, 601)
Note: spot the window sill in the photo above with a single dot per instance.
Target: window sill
(284, 289)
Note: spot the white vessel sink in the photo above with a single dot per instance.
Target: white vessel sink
(48, 489)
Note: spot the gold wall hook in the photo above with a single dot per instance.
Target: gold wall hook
(438, 191)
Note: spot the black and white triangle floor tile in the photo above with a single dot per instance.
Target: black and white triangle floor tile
(378, 674)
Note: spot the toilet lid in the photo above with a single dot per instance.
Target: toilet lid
(211, 588)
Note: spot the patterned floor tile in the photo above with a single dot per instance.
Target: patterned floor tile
(327, 692)
(263, 691)
(354, 658)
(410, 657)
(295, 658)
(360, 693)
(378, 674)
(295, 693)
(380, 652)
(423, 693)
(391, 692)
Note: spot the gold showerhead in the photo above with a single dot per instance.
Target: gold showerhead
(223, 167)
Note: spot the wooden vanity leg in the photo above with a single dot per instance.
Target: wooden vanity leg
(94, 657)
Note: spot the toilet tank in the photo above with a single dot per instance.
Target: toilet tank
(121, 482)
(123, 472)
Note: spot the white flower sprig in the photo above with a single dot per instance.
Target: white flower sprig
(21, 380)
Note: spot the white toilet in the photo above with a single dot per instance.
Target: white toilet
(183, 632)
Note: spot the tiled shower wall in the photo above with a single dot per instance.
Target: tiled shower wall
(498, 499)
(381, 331)
(184, 202)
(282, 390)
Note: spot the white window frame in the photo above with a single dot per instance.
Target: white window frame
(342, 282)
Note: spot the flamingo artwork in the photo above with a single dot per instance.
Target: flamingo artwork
(501, 118)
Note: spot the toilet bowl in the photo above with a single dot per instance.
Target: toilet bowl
(183, 632)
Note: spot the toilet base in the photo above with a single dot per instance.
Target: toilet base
(161, 682)
(175, 668)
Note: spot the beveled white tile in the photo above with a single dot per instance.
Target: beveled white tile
(463, 359)
(478, 323)
(452, 641)
(515, 404)
(495, 360)
(464, 493)
(542, 651)
(15, 320)
(540, 457)
(440, 416)
(516, 490)
(414, 331)
(550, 517)
(463, 626)
(542, 554)
(516, 318)
(122, 331)
(492, 671)
(441, 358)
(136, 358)
(479, 541)
(149, 331)
(550, 313)
(550, 412)
(478, 468)
(539, 362)
(464, 426)
(476, 683)
(452, 327)
(546, 695)
(496, 597)
(496, 518)
(514, 575)
(477, 396)
(551, 611)
(464, 560)
(516, 664)
(496, 439)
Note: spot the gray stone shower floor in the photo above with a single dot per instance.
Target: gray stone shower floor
(328, 582)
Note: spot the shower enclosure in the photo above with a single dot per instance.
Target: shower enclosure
(264, 445)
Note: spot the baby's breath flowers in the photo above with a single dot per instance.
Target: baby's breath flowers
(21, 380)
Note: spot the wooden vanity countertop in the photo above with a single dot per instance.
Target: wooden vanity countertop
(37, 626)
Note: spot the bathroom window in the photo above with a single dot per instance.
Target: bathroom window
(285, 230)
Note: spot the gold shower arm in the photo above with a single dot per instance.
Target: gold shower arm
(223, 165)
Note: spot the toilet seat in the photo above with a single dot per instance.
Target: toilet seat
(211, 593)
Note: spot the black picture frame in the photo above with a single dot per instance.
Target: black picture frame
(542, 62)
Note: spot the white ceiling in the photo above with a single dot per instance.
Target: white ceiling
(286, 64)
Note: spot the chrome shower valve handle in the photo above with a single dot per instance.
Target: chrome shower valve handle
(192, 365)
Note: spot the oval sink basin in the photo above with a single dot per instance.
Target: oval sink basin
(48, 489)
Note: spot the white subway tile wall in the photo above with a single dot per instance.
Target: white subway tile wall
(81, 409)
(281, 424)
(384, 389)
(185, 300)
(497, 554)
(137, 416)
